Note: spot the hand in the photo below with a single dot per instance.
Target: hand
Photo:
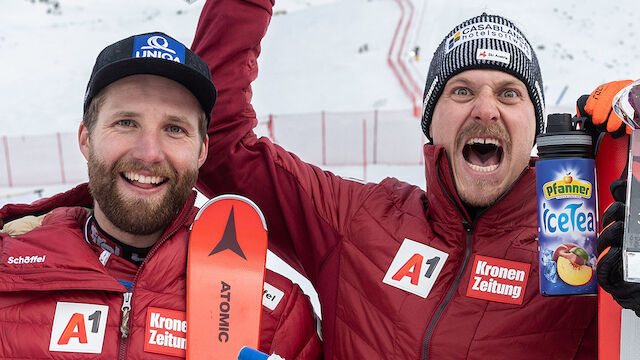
(597, 107)
(609, 247)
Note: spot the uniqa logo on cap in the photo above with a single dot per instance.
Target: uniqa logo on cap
(158, 46)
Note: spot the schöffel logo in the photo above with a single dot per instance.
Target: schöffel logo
(26, 259)
(568, 187)
(158, 46)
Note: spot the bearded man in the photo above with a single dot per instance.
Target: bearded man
(450, 272)
(108, 259)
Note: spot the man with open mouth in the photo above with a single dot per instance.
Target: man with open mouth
(404, 273)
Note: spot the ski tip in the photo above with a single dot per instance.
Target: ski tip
(236, 198)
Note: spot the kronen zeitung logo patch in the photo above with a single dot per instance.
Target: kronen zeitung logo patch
(166, 332)
(498, 280)
(567, 187)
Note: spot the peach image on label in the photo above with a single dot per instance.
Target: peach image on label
(571, 261)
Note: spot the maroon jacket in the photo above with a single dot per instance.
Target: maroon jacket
(51, 273)
(373, 250)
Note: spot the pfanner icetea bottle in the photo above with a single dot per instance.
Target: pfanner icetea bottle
(567, 228)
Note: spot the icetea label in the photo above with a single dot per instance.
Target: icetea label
(567, 226)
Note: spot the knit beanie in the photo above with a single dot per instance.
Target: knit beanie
(483, 42)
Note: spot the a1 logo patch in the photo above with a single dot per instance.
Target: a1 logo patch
(415, 267)
(78, 327)
(498, 280)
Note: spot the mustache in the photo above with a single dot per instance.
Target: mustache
(493, 130)
(161, 170)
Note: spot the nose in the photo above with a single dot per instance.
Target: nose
(485, 109)
(148, 148)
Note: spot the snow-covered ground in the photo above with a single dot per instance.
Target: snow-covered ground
(310, 60)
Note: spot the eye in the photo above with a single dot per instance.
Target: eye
(125, 122)
(462, 91)
(175, 129)
(510, 93)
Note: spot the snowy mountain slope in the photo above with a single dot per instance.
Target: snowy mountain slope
(580, 44)
(310, 60)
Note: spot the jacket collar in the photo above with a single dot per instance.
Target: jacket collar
(76, 259)
(80, 196)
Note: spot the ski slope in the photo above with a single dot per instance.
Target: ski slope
(310, 60)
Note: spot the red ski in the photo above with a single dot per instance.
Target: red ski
(225, 277)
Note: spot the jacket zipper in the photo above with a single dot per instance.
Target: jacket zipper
(154, 249)
(467, 254)
(124, 325)
(126, 307)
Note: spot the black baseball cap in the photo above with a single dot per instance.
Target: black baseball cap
(153, 53)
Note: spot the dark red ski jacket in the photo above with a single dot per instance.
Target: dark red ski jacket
(373, 250)
(52, 273)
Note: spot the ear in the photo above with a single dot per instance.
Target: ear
(204, 150)
(83, 141)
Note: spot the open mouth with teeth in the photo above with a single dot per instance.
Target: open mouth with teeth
(483, 155)
(143, 181)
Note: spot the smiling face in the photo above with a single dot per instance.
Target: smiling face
(486, 122)
(143, 153)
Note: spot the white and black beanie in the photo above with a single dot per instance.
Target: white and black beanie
(483, 42)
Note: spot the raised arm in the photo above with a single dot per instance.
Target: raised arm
(307, 209)
(228, 38)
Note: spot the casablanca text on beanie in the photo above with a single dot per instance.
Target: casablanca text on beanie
(483, 42)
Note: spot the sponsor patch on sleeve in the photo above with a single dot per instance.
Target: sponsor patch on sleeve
(166, 332)
(78, 328)
(498, 280)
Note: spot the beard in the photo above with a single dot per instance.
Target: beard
(477, 192)
(139, 216)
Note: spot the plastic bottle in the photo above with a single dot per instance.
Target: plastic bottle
(567, 213)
